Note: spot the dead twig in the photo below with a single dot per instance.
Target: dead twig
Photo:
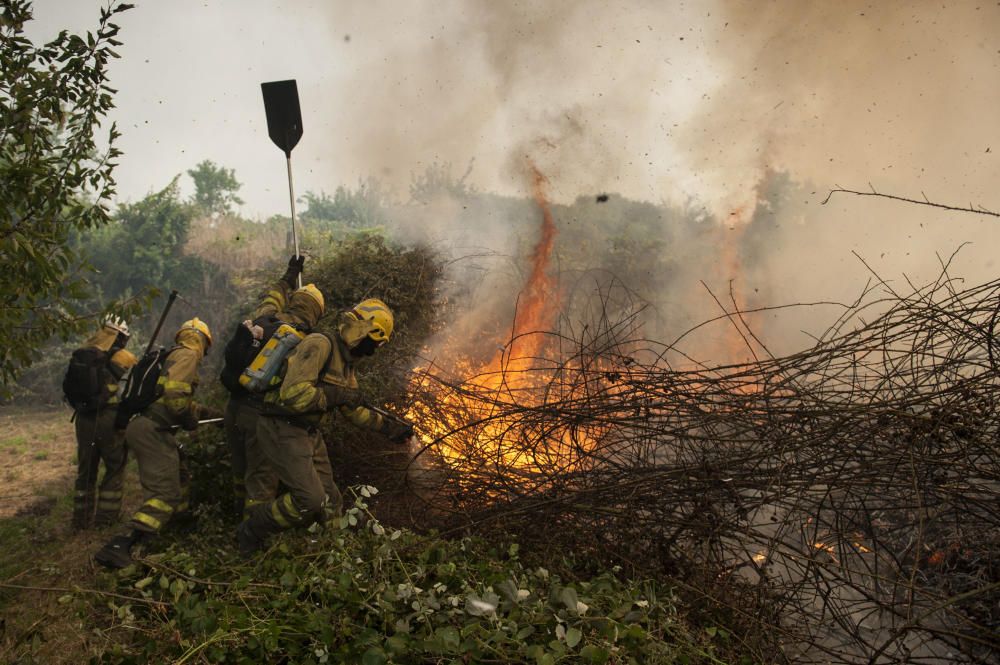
(978, 210)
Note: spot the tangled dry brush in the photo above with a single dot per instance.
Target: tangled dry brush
(844, 501)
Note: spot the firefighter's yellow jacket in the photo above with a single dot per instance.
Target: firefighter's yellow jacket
(319, 359)
(178, 381)
(278, 302)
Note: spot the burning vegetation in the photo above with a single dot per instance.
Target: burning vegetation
(840, 503)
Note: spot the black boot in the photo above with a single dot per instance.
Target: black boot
(184, 522)
(117, 552)
(252, 532)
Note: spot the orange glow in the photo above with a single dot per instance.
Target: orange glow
(539, 300)
(492, 417)
(519, 375)
(828, 549)
(732, 346)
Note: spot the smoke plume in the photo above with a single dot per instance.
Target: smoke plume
(697, 107)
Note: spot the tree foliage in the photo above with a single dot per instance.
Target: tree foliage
(437, 180)
(143, 247)
(56, 179)
(359, 208)
(215, 188)
(146, 248)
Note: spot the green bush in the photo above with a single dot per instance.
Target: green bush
(407, 279)
(356, 591)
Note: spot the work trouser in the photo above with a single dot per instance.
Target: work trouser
(96, 442)
(162, 474)
(254, 480)
(299, 459)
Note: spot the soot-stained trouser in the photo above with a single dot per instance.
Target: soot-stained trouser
(91, 387)
(253, 478)
(319, 377)
(150, 435)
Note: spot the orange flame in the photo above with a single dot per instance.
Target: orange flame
(512, 373)
(732, 347)
(540, 300)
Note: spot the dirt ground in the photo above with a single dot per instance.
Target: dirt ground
(37, 458)
(46, 570)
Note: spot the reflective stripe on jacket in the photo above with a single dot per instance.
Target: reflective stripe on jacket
(274, 301)
(316, 360)
(179, 380)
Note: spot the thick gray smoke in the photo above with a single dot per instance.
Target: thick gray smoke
(696, 106)
(586, 88)
(690, 104)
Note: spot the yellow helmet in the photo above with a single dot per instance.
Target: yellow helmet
(314, 293)
(379, 315)
(199, 325)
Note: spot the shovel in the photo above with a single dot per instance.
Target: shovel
(284, 126)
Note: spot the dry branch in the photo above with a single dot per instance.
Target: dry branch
(979, 210)
(852, 489)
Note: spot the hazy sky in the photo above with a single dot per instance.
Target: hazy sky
(659, 100)
(387, 88)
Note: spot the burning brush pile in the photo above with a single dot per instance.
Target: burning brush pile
(844, 500)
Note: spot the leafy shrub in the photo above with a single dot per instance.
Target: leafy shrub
(356, 591)
(407, 279)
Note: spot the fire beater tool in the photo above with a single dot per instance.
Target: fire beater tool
(284, 126)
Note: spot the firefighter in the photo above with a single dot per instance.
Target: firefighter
(96, 437)
(253, 479)
(150, 436)
(319, 376)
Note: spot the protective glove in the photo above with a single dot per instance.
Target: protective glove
(397, 432)
(291, 275)
(341, 396)
(189, 420)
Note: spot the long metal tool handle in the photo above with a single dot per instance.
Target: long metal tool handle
(385, 414)
(163, 317)
(174, 428)
(291, 201)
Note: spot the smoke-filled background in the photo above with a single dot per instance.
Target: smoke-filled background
(739, 115)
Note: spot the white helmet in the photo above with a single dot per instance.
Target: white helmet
(117, 324)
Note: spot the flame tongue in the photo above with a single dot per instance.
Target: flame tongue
(538, 303)
(466, 417)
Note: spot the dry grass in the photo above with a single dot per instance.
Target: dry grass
(39, 555)
(37, 458)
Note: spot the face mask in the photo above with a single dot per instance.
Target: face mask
(365, 347)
